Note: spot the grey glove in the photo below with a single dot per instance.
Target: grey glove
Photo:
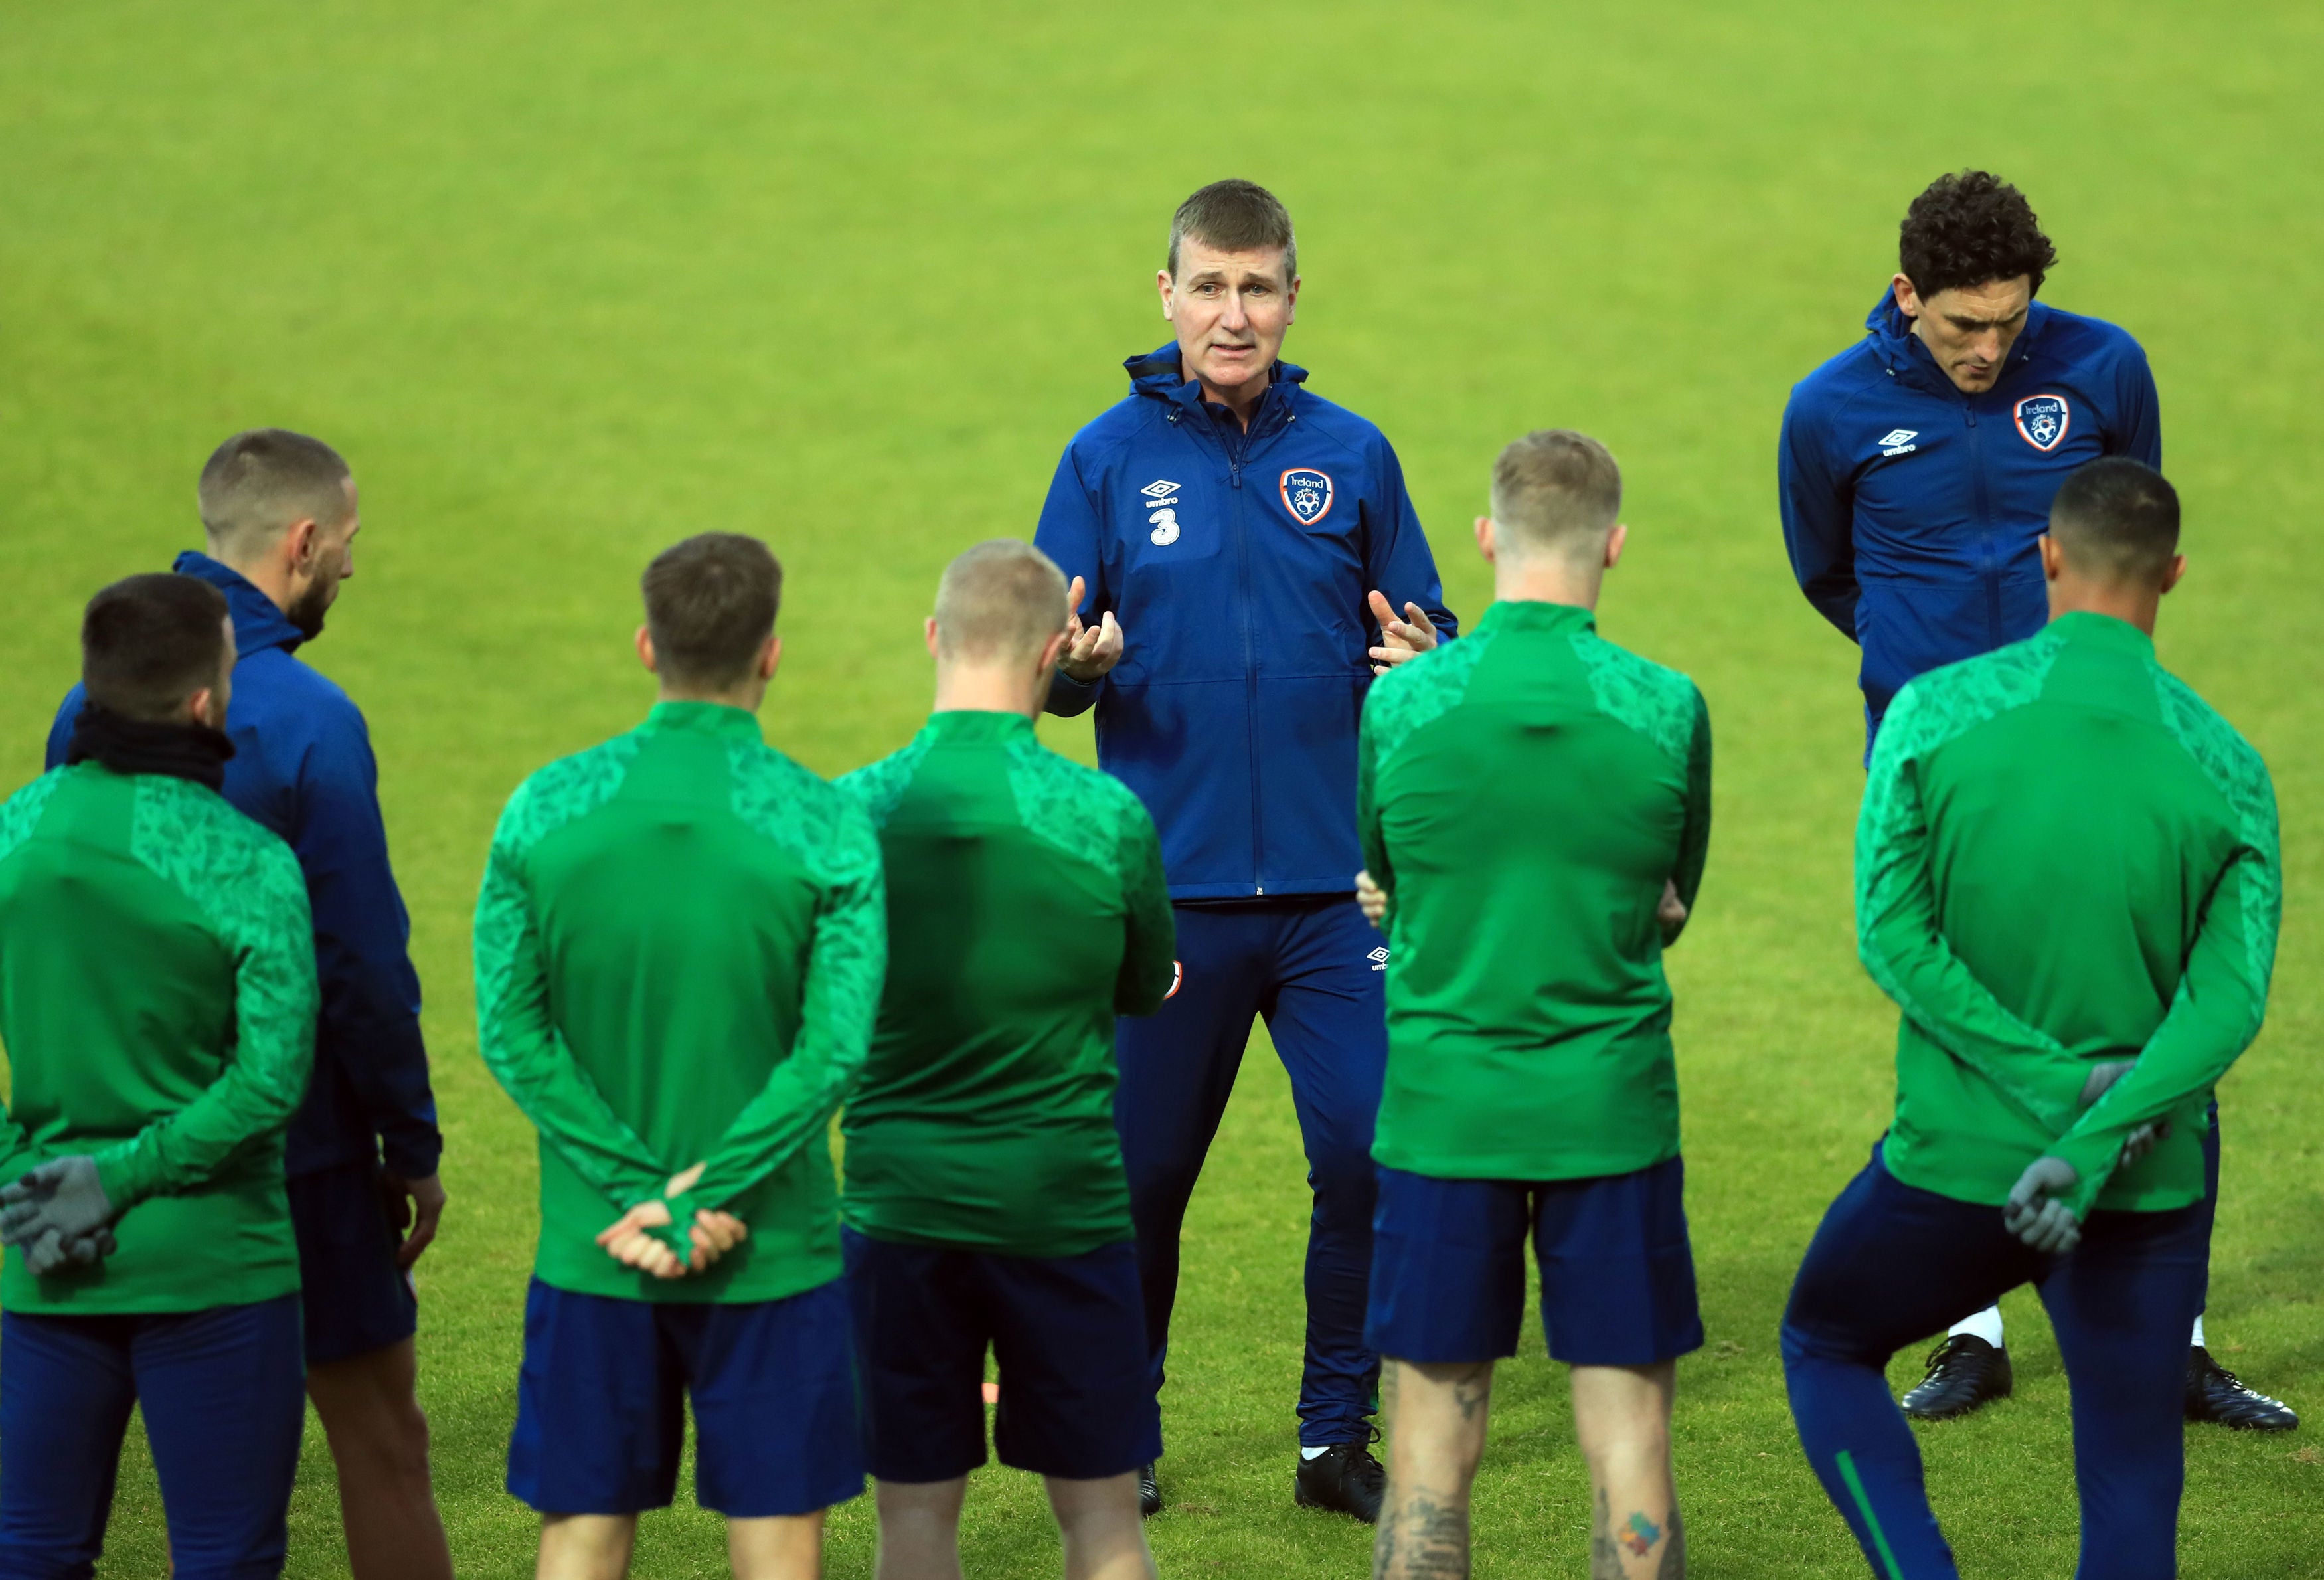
(2142, 1140)
(2035, 1214)
(2103, 1074)
(61, 1196)
(52, 1250)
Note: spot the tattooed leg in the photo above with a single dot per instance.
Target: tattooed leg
(1621, 1418)
(1436, 1436)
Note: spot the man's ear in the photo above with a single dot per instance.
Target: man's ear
(1908, 300)
(2172, 572)
(928, 630)
(1485, 538)
(646, 650)
(1162, 284)
(199, 708)
(770, 658)
(2053, 558)
(1615, 539)
(1291, 303)
(301, 541)
(1049, 653)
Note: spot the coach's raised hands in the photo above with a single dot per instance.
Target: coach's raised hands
(1400, 639)
(1090, 650)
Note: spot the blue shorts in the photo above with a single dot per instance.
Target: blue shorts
(1069, 1333)
(601, 1404)
(1617, 1275)
(225, 1398)
(357, 1300)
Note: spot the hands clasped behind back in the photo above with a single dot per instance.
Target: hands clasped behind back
(641, 1238)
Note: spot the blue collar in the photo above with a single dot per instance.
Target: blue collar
(1160, 375)
(1902, 353)
(257, 623)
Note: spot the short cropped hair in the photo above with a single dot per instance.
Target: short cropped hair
(258, 484)
(1001, 599)
(1969, 228)
(149, 643)
(711, 603)
(1235, 216)
(2116, 518)
(1557, 490)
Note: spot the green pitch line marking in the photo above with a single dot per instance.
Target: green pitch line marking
(1864, 1507)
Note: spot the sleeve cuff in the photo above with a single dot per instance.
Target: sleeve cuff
(2092, 1157)
(1069, 696)
(413, 1155)
(123, 1176)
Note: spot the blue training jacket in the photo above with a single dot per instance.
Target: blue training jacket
(1911, 510)
(302, 766)
(1238, 565)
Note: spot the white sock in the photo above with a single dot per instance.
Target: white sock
(1306, 1453)
(2196, 1341)
(1986, 1324)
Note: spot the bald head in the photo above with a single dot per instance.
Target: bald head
(1000, 602)
(1556, 492)
(259, 484)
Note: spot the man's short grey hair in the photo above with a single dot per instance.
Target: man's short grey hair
(1001, 599)
(1557, 491)
(1236, 216)
(258, 484)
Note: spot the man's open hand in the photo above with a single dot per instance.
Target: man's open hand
(62, 1198)
(2033, 1212)
(1370, 899)
(1090, 650)
(1400, 639)
(414, 1208)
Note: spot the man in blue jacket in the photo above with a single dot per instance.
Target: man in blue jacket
(278, 510)
(1236, 542)
(1915, 472)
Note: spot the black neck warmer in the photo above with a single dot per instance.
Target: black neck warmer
(128, 746)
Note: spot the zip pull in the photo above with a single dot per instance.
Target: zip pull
(1234, 473)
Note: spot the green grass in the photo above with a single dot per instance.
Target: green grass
(569, 282)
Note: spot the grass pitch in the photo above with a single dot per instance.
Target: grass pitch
(568, 281)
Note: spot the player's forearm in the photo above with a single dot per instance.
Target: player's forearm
(1939, 995)
(264, 1081)
(1069, 697)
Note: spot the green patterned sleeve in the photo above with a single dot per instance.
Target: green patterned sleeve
(1898, 937)
(847, 966)
(19, 815)
(2222, 994)
(1694, 838)
(519, 1041)
(247, 884)
(1149, 963)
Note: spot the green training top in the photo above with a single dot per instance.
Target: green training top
(157, 1001)
(2063, 856)
(678, 953)
(1523, 795)
(1027, 907)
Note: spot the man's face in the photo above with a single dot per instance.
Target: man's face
(331, 562)
(1968, 328)
(1229, 310)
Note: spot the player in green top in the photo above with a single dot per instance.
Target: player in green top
(2067, 877)
(1534, 804)
(157, 1003)
(678, 954)
(986, 1206)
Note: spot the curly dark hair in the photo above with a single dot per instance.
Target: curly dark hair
(1969, 228)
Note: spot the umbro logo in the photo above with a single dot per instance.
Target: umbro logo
(1161, 496)
(1898, 441)
(1379, 958)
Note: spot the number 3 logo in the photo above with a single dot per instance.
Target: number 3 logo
(1166, 528)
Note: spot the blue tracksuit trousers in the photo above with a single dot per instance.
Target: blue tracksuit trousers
(1892, 1264)
(1308, 966)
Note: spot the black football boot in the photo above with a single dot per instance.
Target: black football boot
(1149, 1493)
(1964, 1373)
(2217, 1395)
(1345, 1478)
